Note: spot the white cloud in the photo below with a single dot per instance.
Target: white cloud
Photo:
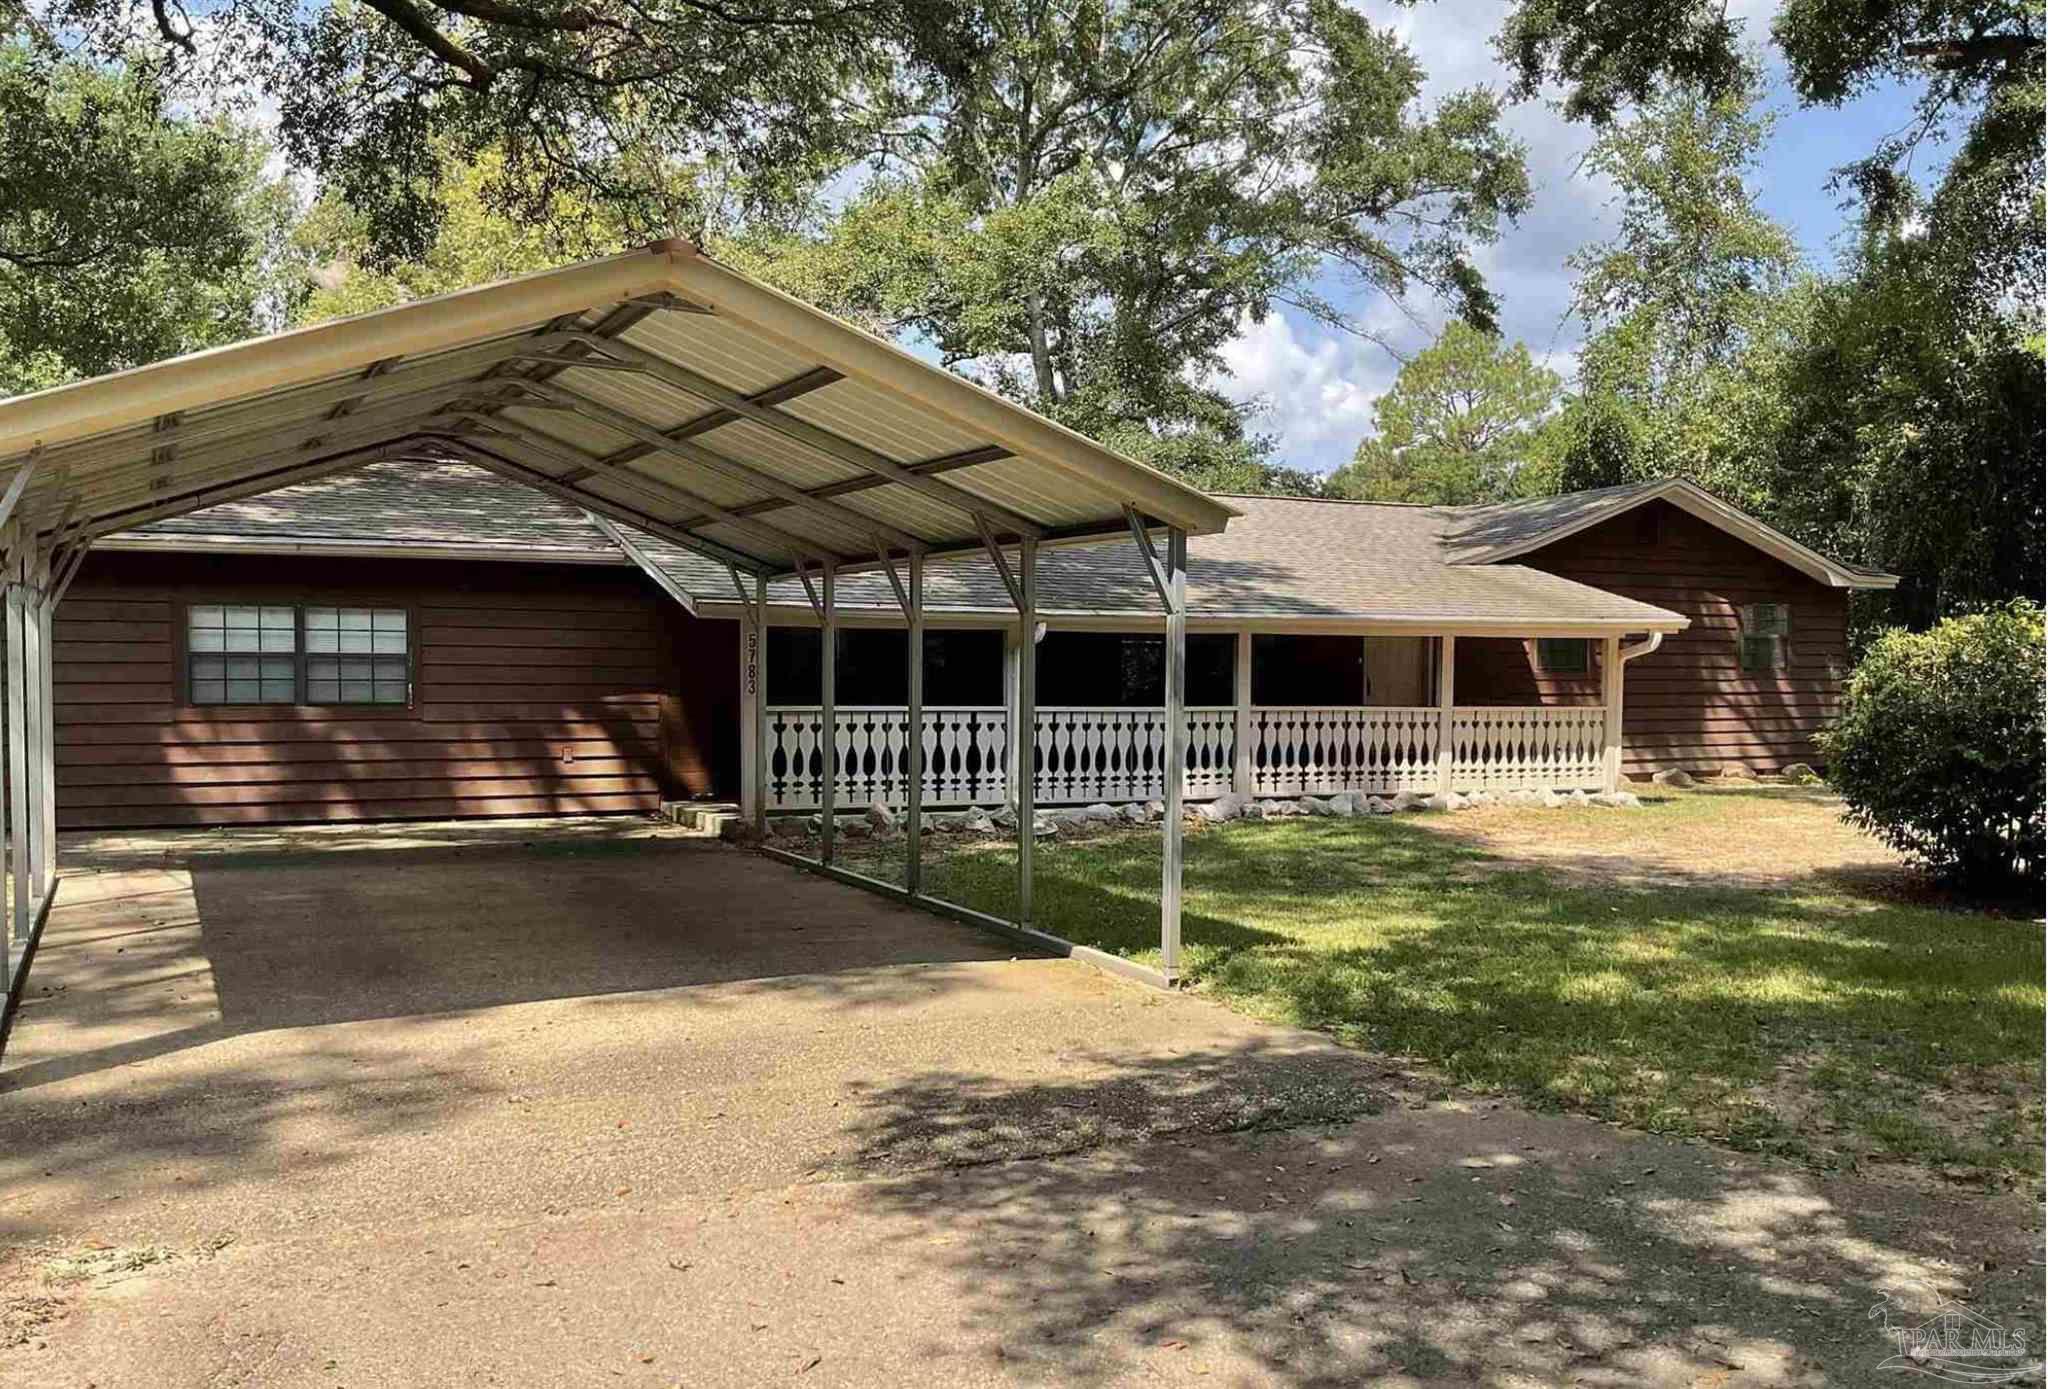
(1317, 387)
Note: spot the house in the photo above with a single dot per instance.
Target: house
(423, 638)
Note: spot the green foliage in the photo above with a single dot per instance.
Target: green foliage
(602, 99)
(1912, 436)
(1462, 423)
(1692, 305)
(1939, 746)
(1978, 66)
(1099, 201)
(474, 243)
(127, 233)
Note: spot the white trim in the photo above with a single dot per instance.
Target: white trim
(1697, 501)
(355, 549)
(1362, 624)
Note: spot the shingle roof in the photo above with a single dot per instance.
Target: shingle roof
(1284, 558)
(401, 505)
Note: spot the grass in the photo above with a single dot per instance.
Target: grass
(1601, 962)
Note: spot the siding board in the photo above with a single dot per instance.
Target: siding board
(1690, 704)
(537, 689)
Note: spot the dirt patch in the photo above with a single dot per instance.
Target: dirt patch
(1745, 835)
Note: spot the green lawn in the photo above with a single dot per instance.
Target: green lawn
(1811, 1016)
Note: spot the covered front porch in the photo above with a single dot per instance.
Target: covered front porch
(1269, 714)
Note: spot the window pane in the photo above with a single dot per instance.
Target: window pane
(390, 620)
(208, 692)
(245, 692)
(355, 619)
(207, 617)
(280, 691)
(392, 643)
(207, 639)
(1562, 655)
(245, 617)
(208, 668)
(355, 692)
(322, 692)
(390, 691)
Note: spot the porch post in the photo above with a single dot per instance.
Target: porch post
(1610, 698)
(758, 764)
(828, 718)
(1025, 738)
(1011, 648)
(1446, 666)
(1241, 769)
(751, 799)
(913, 810)
(1176, 595)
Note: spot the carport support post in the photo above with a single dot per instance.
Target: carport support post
(1025, 738)
(828, 718)
(754, 702)
(39, 614)
(1175, 592)
(17, 746)
(913, 736)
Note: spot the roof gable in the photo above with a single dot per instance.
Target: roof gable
(1510, 530)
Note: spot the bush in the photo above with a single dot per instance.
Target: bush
(1939, 747)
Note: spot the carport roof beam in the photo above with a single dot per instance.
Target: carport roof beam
(183, 432)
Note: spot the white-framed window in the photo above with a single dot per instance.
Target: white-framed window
(1765, 639)
(272, 654)
(357, 656)
(1563, 655)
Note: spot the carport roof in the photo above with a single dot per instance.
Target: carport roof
(656, 387)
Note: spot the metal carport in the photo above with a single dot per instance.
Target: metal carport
(656, 388)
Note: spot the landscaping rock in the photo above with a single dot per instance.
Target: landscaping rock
(1228, 806)
(1134, 813)
(1311, 805)
(1552, 800)
(1736, 771)
(1444, 800)
(1346, 804)
(1616, 800)
(881, 819)
(854, 829)
(1799, 774)
(1674, 777)
(1042, 827)
(1100, 811)
(1521, 795)
(1479, 798)
(1375, 806)
(1410, 800)
(1579, 797)
(1005, 819)
(1155, 810)
(979, 821)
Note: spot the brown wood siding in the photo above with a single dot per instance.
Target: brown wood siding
(537, 689)
(1690, 704)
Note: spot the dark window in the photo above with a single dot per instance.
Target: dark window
(1563, 655)
(1766, 635)
(1308, 670)
(962, 667)
(258, 654)
(1127, 670)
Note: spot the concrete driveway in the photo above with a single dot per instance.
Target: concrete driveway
(540, 1105)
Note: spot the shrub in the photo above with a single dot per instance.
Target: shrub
(1939, 747)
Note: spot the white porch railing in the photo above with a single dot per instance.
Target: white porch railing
(1081, 755)
(1559, 747)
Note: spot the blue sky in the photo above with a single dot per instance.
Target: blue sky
(1319, 385)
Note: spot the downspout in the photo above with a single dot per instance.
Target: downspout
(1641, 648)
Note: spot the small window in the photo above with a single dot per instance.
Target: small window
(1765, 637)
(356, 656)
(242, 655)
(1562, 655)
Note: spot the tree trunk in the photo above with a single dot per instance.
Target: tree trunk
(1041, 353)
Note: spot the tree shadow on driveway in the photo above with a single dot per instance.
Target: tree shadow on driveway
(1189, 1227)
